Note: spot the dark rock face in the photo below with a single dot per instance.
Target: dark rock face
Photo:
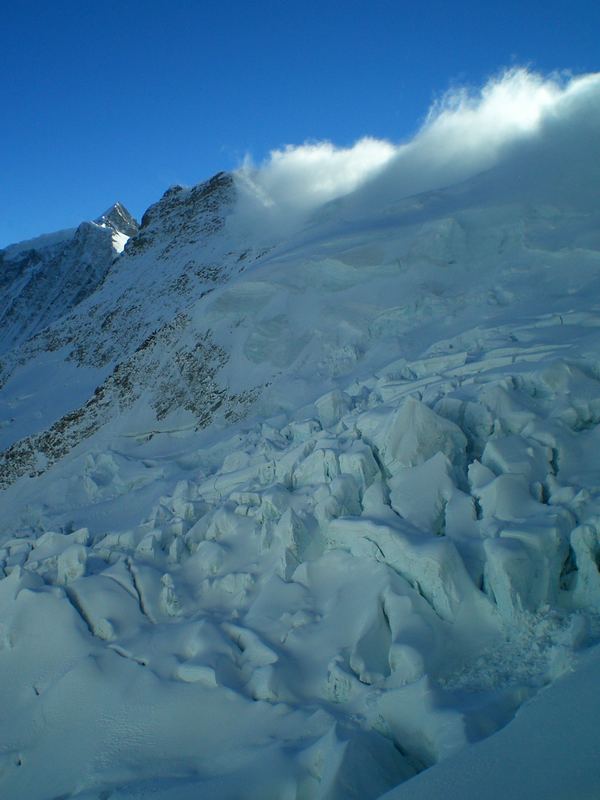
(183, 217)
(119, 219)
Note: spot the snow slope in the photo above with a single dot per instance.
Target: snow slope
(302, 500)
(549, 750)
(44, 278)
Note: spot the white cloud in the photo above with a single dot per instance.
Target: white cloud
(505, 107)
(465, 133)
(312, 174)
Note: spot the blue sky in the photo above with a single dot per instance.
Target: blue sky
(119, 100)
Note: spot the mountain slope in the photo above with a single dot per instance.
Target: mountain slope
(315, 504)
(44, 279)
(116, 337)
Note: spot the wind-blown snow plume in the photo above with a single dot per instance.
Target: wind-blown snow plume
(311, 174)
(464, 133)
(281, 192)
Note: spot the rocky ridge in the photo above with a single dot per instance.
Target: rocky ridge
(159, 352)
(43, 280)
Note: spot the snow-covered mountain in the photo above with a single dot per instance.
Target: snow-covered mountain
(300, 489)
(43, 279)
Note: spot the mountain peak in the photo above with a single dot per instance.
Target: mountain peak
(119, 219)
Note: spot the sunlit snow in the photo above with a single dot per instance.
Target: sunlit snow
(301, 497)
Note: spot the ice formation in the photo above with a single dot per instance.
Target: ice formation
(306, 515)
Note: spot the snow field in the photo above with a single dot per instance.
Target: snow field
(321, 510)
(373, 577)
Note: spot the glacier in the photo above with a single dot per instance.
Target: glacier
(301, 499)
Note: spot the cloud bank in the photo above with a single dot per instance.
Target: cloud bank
(465, 133)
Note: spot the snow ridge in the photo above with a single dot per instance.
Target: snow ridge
(44, 279)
